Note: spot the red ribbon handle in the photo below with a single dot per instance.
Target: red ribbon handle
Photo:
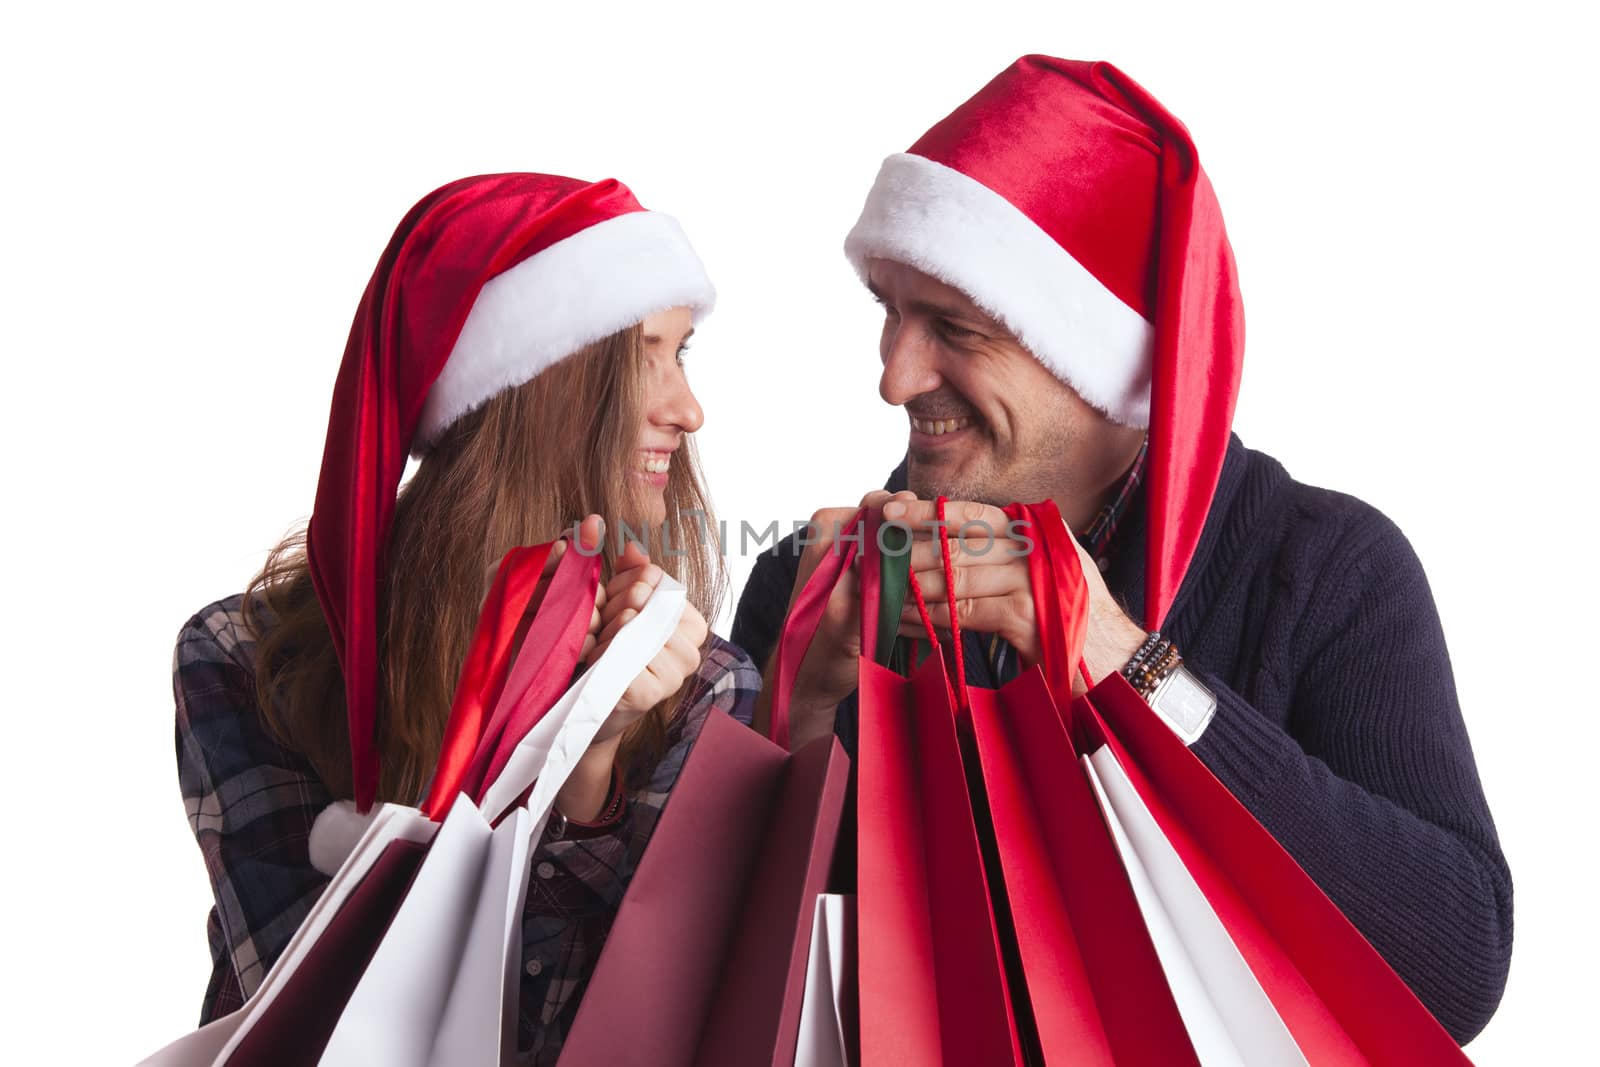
(958, 675)
(487, 694)
(543, 668)
(805, 615)
(1060, 594)
(483, 673)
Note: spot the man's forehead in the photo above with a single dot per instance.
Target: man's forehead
(918, 290)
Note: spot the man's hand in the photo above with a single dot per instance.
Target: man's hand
(992, 591)
(828, 673)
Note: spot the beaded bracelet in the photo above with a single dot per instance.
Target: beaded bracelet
(1156, 669)
(1149, 667)
(1151, 640)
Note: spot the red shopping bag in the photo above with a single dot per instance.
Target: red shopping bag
(1339, 999)
(705, 963)
(1094, 990)
(932, 977)
(1094, 982)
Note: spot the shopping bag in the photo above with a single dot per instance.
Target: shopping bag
(393, 962)
(705, 962)
(829, 1027)
(1094, 980)
(933, 984)
(1242, 932)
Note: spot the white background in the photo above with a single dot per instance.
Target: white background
(194, 199)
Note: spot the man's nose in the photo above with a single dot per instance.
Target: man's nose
(910, 367)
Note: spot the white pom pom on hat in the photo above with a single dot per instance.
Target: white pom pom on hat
(334, 835)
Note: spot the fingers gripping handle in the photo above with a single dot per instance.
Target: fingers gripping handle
(1060, 593)
(805, 615)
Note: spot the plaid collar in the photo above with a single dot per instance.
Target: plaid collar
(1096, 537)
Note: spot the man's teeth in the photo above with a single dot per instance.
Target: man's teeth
(935, 427)
(657, 464)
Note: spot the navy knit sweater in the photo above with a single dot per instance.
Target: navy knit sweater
(1307, 613)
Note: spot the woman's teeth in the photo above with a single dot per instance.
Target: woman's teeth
(656, 463)
(935, 427)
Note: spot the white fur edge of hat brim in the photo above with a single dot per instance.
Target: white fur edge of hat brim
(958, 230)
(580, 290)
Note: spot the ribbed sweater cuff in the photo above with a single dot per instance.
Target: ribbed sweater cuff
(1240, 746)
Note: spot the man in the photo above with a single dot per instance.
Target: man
(1062, 320)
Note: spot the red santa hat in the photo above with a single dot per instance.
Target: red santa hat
(486, 282)
(1065, 201)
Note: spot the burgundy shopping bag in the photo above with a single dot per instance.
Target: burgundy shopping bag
(705, 963)
(296, 1026)
(932, 980)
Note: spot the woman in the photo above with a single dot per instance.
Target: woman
(524, 335)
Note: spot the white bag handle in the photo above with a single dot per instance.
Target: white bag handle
(552, 748)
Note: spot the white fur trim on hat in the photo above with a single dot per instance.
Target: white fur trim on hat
(958, 230)
(586, 287)
(334, 834)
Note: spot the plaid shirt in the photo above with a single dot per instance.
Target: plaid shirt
(251, 803)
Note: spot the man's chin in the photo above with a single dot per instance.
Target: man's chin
(930, 480)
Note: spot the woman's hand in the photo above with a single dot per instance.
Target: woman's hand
(630, 588)
(590, 531)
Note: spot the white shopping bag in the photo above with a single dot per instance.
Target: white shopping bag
(441, 989)
(1230, 1020)
(825, 1037)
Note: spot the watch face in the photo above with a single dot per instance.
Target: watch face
(1185, 704)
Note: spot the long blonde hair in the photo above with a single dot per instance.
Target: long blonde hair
(519, 470)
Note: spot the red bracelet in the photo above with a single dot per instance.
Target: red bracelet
(613, 809)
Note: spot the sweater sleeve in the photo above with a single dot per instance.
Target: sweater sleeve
(1371, 784)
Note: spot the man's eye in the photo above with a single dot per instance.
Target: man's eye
(951, 330)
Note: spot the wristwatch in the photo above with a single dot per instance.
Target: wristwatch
(1182, 701)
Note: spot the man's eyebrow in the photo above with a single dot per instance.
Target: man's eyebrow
(929, 307)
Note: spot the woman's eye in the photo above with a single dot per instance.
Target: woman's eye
(683, 350)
